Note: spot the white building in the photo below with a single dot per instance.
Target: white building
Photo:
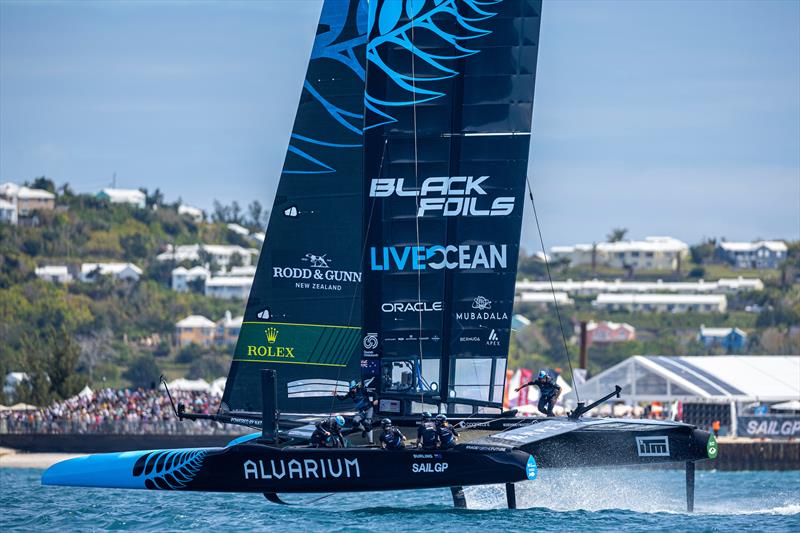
(241, 271)
(181, 277)
(120, 271)
(124, 196)
(653, 253)
(27, 200)
(195, 213)
(221, 254)
(760, 254)
(595, 286)
(238, 229)
(663, 303)
(55, 273)
(8, 212)
(229, 287)
(544, 298)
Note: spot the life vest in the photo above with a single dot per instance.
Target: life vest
(392, 438)
(429, 435)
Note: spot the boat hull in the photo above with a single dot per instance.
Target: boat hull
(253, 467)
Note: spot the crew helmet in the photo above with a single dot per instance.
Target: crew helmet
(543, 374)
(441, 419)
(339, 421)
(353, 384)
(385, 423)
(426, 416)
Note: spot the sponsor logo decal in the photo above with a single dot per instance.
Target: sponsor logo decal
(437, 257)
(469, 339)
(494, 339)
(652, 446)
(264, 314)
(410, 307)
(531, 469)
(481, 303)
(305, 469)
(370, 341)
(282, 352)
(482, 311)
(428, 468)
(711, 447)
(447, 196)
(317, 275)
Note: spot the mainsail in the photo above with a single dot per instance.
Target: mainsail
(303, 315)
(449, 102)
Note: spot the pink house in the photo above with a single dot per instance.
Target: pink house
(602, 332)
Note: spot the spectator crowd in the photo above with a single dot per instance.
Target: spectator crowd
(121, 411)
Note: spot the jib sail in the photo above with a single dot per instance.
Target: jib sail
(449, 103)
(303, 315)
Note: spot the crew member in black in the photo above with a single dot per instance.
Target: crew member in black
(549, 392)
(391, 438)
(365, 405)
(427, 437)
(446, 433)
(328, 433)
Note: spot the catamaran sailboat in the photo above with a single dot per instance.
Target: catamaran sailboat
(390, 258)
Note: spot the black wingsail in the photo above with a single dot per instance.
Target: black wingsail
(449, 105)
(303, 315)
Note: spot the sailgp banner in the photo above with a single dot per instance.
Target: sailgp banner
(307, 286)
(448, 112)
(775, 426)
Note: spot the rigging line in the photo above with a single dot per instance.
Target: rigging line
(416, 202)
(363, 255)
(552, 287)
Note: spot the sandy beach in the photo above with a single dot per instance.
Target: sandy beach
(14, 459)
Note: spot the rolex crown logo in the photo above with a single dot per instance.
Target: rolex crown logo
(272, 335)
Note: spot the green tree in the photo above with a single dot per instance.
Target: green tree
(143, 372)
(64, 378)
(256, 211)
(617, 234)
(43, 182)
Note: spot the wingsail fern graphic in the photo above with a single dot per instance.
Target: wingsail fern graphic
(447, 23)
(169, 469)
(341, 51)
(337, 57)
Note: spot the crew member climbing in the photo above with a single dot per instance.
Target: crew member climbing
(365, 402)
(549, 391)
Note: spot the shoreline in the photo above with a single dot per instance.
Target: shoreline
(10, 458)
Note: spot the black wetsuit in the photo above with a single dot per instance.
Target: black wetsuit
(392, 439)
(548, 394)
(428, 436)
(363, 400)
(328, 434)
(447, 436)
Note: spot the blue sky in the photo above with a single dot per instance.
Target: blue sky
(673, 118)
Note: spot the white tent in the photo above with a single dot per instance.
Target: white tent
(86, 392)
(189, 385)
(217, 387)
(792, 405)
(704, 379)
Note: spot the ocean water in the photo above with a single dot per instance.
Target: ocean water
(560, 500)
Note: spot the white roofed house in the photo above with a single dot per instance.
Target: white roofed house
(228, 329)
(118, 271)
(132, 197)
(596, 286)
(195, 329)
(759, 254)
(544, 298)
(27, 200)
(54, 273)
(221, 254)
(195, 213)
(8, 212)
(663, 303)
(229, 287)
(653, 253)
(182, 277)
